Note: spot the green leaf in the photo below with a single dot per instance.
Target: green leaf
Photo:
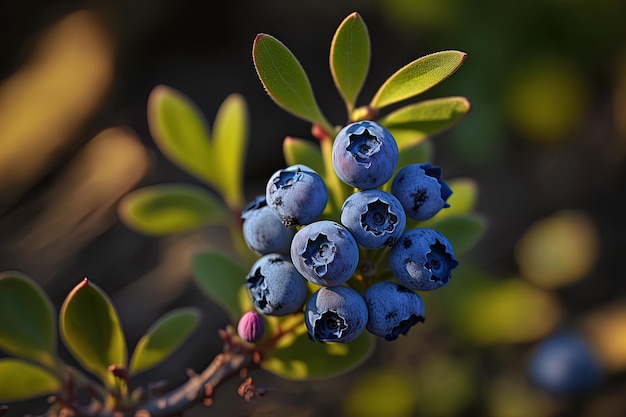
(91, 330)
(284, 79)
(426, 118)
(230, 140)
(22, 381)
(27, 319)
(350, 57)
(415, 154)
(463, 199)
(221, 278)
(163, 337)
(417, 77)
(301, 359)
(170, 208)
(301, 151)
(462, 230)
(181, 132)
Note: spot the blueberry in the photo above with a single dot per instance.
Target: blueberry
(297, 194)
(251, 327)
(422, 259)
(364, 155)
(421, 190)
(393, 309)
(564, 364)
(263, 231)
(276, 287)
(335, 314)
(375, 218)
(325, 253)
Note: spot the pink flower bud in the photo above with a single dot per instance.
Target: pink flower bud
(251, 327)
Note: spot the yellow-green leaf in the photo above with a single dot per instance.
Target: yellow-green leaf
(301, 151)
(181, 132)
(230, 140)
(284, 79)
(350, 57)
(27, 319)
(463, 199)
(91, 330)
(22, 380)
(163, 337)
(301, 359)
(426, 118)
(221, 279)
(462, 230)
(417, 77)
(170, 208)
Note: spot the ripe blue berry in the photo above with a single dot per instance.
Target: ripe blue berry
(393, 309)
(422, 259)
(325, 253)
(251, 327)
(564, 364)
(421, 190)
(263, 230)
(335, 314)
(297, 194)
(375, 218)
(364, 155)
(276, 286)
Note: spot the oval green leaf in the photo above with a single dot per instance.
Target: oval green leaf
(284, 79)
(463, 199)
(22, 380)
(27, 319)
(350, 57)
(230, 140)
(163, 337)
(91, 330)
(415, 154)
(181, 132)
(462, 230)
(426, 118)
(417, 77)
(164, 209)
(221, 278)
(301, 151)
(301, 359)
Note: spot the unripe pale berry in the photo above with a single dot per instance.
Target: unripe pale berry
(251, 327)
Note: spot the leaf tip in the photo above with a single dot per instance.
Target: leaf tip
(84, 283)
(257, 38)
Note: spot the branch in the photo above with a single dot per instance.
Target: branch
(199, 388)
(236, 359)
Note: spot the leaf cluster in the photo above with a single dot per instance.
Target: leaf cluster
(90, 329)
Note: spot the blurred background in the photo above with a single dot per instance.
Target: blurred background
(545, 142)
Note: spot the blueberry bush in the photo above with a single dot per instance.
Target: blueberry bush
(334, 257)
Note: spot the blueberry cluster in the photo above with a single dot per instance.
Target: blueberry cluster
(342, 257)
